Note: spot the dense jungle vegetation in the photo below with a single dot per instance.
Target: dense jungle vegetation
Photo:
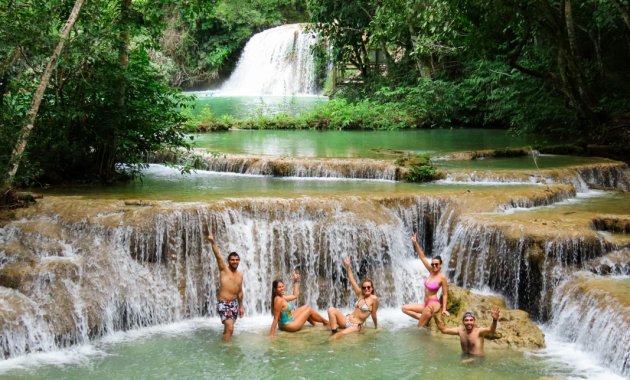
(557, 68)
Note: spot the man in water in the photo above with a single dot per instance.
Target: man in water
(471, 337)
(230, 299)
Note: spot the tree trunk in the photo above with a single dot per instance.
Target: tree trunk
(570, 25)
(108, 157)
(25, 132)
(123, 52)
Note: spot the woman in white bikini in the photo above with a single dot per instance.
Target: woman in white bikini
(433, 283)
(285, 316)
(366, 305)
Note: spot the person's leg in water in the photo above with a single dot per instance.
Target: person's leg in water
(313, 315)
(301, 315)
(345, 331)
(335, 319)
(228, 312)
(468, 359)
(414, 310)
(228, 329)
(431, 307)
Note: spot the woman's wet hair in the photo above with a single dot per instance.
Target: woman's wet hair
(371, 284)
(274, 292)
(438, 258)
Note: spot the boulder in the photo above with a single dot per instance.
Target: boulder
(515, 330)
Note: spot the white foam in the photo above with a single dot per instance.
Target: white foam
(571, 362)
(168, 171)
(75, 356)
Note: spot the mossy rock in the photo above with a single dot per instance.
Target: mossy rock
(515, 329)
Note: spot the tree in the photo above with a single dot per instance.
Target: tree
(107, 105)
(203, 38)
(424, 32)
(345, 24)
(25, 132)
(573, 47)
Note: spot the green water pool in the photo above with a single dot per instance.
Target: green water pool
(194, 350)
(357, 144)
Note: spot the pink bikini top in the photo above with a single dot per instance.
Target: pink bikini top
(432, 286)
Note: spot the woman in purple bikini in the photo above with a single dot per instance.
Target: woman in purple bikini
(433, 283)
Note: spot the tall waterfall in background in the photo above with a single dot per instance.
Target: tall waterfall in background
(277, 61)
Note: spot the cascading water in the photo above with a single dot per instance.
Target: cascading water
(522, 269)
(72, 274)
(586, 314)
(277, 61)
(124, 268)
(306, 167)
(609, 176)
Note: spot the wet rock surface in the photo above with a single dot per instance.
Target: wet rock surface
(515, 329)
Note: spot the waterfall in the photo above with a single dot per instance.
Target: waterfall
(614, 176)
(69, 278)
(77, 270)
(523, 269)
(590, 316)
(306, 167)
(277, 61)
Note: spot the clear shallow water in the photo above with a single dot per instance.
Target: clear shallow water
(194, 350)
(166, 183)
(242, 107)
(357, 144)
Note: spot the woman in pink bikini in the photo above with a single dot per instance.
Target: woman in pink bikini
(433, 283)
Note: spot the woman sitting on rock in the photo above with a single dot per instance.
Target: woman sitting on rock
(435, 281)
(285, 316)
(366, 305)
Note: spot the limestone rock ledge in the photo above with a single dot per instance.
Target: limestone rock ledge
(515, 330)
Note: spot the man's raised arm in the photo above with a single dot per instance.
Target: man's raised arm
(217, 252)
(443, 329)
(495, 317)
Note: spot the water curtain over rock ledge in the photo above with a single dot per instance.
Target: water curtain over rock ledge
(517, 263)
(84, 269)
(73, 269)
(608, 175)
(594, 311)
(306, 167)
(613, 175)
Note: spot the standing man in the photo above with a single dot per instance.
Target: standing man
(230, 298)
(471, 337)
